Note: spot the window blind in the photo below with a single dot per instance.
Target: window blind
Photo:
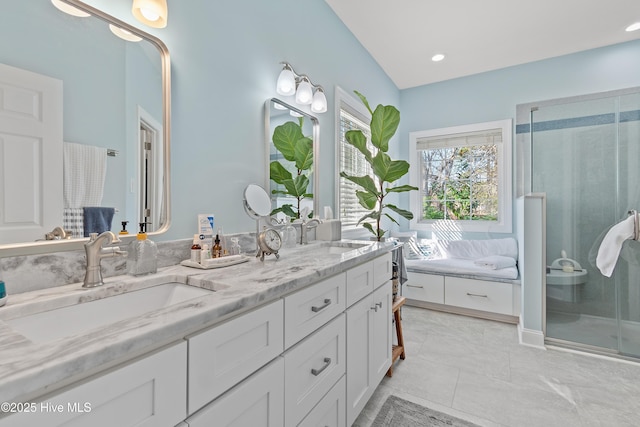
(352, 162)
(483, 137)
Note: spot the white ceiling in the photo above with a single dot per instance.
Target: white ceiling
(480, 35)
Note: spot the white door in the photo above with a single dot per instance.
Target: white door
(31, 201)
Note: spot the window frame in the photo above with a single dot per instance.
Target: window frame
(505, 196)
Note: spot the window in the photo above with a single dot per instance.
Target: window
(351, 116)
(464, 178)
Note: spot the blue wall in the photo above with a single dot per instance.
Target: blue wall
(225, 62)
(494, 95)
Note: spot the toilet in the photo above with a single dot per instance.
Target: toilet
(564, 279)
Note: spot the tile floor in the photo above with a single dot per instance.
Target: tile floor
(476, 370)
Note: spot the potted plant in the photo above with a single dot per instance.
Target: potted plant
(296, 148)
(384, 123)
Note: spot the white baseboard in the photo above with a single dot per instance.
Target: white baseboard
(530, 337)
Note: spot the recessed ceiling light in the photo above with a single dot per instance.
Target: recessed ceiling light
(437, 58)
(633, 27)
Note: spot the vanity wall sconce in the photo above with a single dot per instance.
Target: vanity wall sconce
(151, 12)
(290, 83)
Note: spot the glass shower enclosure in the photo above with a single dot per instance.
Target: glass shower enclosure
(585, 156)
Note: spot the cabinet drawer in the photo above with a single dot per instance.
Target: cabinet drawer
(149, 392)
(424, 287)
(225, 354)
(312, 367)
(308, 309)
(359, 282)
(330, 412)
(256, 402)
(382, 270)
(495, 297)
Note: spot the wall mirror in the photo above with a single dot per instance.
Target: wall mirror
(84, 122)
(292, 146)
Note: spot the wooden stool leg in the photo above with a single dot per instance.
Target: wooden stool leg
(398, 320)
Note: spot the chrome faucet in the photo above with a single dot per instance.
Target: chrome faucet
(95, 252)
(306, 226)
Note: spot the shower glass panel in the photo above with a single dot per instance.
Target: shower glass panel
(586, 158)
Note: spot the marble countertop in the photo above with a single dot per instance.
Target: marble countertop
(29, 370)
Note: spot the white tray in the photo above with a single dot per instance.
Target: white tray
(218, 263)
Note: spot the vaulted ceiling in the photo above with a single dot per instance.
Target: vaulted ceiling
(480, 35)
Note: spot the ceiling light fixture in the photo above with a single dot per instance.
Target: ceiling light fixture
(290, 83)
(151, 12)
(437, 57)
(633, 27)
(67, 8)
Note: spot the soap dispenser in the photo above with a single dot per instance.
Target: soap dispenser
(142, 255)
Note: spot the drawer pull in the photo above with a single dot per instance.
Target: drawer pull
(414, 286)
(375, 307)
(315, 309)
(327, 362)
(477, 295)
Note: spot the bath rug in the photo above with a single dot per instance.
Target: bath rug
(396, 412)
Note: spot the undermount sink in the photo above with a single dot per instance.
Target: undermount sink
(76, 319)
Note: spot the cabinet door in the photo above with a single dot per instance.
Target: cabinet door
(424, 287)
(258, 401)
(359, 341)
(308, 309)
(312, 367)
(381, 344)
(149, 392)
(226, 354)
(359, 282)
(330, 411)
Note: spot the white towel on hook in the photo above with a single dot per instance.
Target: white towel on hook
(611, 245)
(85, 169)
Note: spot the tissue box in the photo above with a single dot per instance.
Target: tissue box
(329, 229)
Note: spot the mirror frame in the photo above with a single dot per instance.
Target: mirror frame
(268, 131)
(50, 246)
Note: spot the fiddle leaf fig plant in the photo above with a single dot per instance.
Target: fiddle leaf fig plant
(297, 149)
(384, 124)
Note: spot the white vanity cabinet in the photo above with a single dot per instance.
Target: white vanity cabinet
(257, 401)
(149, 392)
(368, 339)
(226, 354)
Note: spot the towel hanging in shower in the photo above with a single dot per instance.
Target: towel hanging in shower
(612, 244)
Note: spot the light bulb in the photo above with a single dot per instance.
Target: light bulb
(67, 8)
(153, 13)
(150, 14)
(319, 103)
(304, 94)
(124, 34)
(294, 113)
(286, 85)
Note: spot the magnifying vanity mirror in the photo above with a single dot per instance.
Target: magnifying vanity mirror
(292, 146)
(84, 122)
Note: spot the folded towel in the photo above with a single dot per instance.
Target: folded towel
(495, 262)
(97, 220)
(612, 244)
